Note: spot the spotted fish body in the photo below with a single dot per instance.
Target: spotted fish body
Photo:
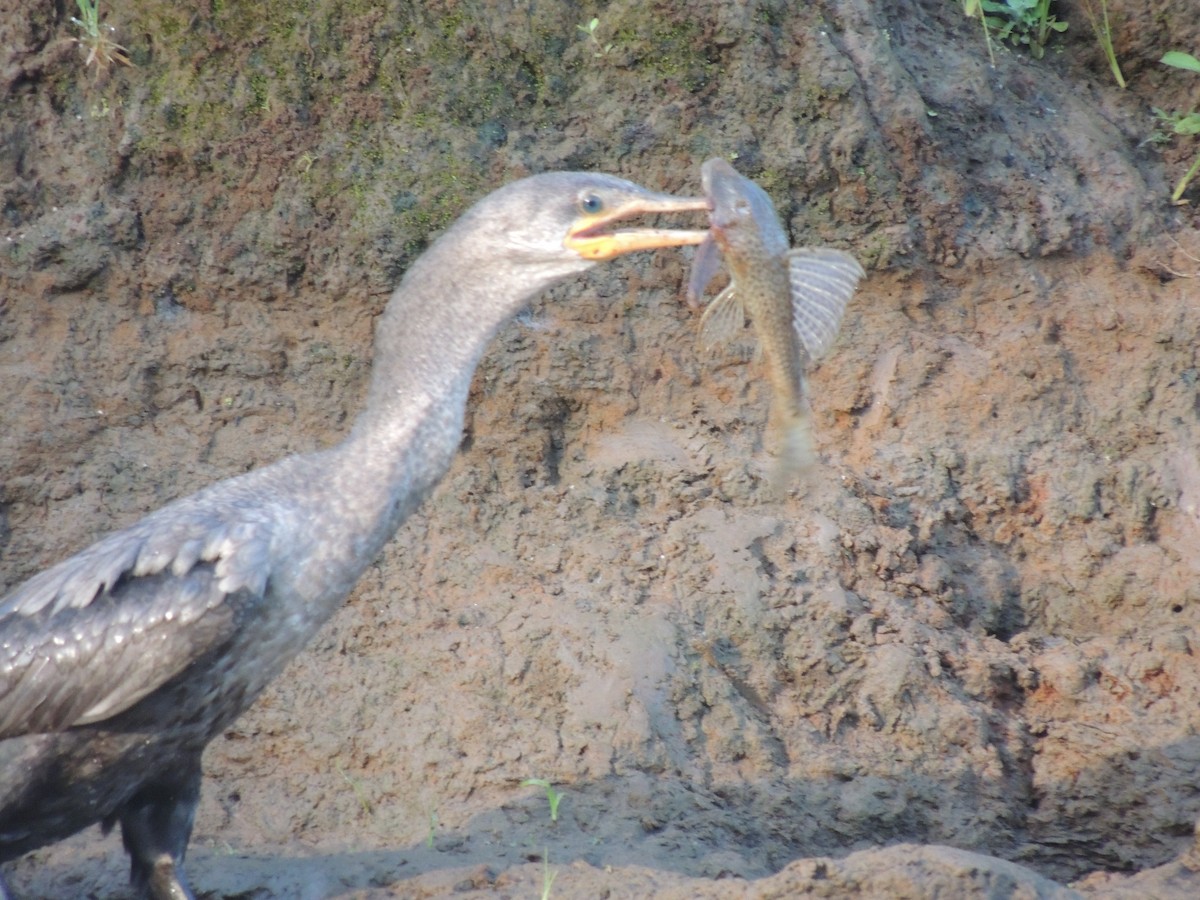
(794, 299)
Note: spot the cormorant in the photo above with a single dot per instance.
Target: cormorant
(120, 664)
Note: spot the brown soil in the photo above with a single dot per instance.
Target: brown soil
(961, 662)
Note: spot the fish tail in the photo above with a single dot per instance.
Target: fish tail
(797, 454)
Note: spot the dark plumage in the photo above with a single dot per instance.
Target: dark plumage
(120, 664)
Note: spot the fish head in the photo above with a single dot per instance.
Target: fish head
(739, 210)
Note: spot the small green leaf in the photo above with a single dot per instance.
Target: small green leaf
(1189, 124)
(1181, 60)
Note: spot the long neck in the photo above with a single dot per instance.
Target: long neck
(428, 343)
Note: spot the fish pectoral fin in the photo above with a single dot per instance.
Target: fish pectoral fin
(823, 280)
(722, 319)
(705, 264)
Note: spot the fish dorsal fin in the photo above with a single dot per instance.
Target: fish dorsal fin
(722, 319)
(823, 281)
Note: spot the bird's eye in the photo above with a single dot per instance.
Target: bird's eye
(591, 204)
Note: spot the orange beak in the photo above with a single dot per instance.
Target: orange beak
(587, 237)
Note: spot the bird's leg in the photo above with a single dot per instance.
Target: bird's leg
(156, 824)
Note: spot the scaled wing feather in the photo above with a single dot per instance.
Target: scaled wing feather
(90, 637)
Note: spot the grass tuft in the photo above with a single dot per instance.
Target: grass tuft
(1102, 28)
(552, 796)
(548, 875)
(102, 50)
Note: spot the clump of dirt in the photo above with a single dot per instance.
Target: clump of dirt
(961, 660)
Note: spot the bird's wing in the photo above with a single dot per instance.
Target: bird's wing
(89, 637)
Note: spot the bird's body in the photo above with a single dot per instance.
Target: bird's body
(120, 664)
(177, 656)
(794, 298)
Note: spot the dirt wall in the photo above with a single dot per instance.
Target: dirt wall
(961, 659)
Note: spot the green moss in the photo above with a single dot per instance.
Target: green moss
(211, 78)
(669, 49)
(777, 184)
(444, 88)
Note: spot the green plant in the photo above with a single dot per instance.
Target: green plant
(589, 29)
(552, 796)
(1019, 21)
(1182, 123)
(1103, 31)
(102, 50)
(1024, 22)
(548, 875)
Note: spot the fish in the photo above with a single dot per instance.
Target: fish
(794, 298)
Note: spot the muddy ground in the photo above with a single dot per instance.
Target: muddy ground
(961, 662)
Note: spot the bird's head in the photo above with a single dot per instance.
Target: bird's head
(602, 200)
(564, 221)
